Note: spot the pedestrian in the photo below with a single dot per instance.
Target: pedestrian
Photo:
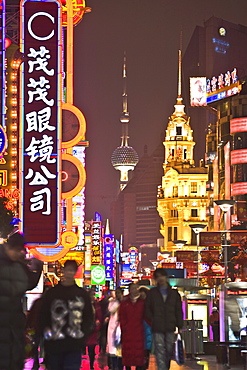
(164, 311)
(148, 338)
(33, 326)
(66, 321)
(214, 320)
(15, 279)
(104, 302)
(114, 331)
(93, 339)
(131, 316)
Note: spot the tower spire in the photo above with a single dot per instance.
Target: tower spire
(179, 98)
(125, 96)
(179, 73)
(124, 158)
(124, 119)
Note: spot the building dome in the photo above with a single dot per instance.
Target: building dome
(124, 156)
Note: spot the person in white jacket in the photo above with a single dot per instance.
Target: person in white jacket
(114, 332)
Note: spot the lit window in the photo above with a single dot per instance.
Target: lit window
(193, 187)
(194, 213)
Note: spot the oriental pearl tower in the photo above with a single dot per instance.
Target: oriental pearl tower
(124, 158)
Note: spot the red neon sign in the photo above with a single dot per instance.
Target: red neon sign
(239, 156)
(238, 125)
(239, 188)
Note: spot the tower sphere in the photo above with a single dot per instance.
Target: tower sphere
(124, 156)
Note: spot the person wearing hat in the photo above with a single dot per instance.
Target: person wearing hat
(15, 279)
(164, 311)
(214, 320)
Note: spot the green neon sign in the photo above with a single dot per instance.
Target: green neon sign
(98, 275)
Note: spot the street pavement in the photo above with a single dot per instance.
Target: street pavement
(206, 363)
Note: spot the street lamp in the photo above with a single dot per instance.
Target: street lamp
(225, 206)
(197, 228)
(154, 263)
(179, 243)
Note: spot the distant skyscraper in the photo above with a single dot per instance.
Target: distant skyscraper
(124, 158)
(214, 48)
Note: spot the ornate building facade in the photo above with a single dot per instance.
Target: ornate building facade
(182, 198)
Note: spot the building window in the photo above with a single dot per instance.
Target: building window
(175, 191)
(193, 187)
(185, 153)
(178, 130)
(194, 213)
(169, 234)
(175, 236)
(174, 213)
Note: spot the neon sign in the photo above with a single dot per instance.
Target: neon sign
(96, 243)
(109, 255)
(204, 91)
(2, 62)
(223, 86)
(238, 125)
(3, 141)
(41, 122)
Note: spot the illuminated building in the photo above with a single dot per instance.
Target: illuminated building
(124, 158)
(215, 47)
(227, 144)
(182, 195)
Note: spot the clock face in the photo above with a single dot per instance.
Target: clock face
(71, 125)
(222, 31)
(70, 177)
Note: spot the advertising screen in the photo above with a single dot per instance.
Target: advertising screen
(198, 91)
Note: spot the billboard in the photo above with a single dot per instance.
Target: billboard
(40, 117)
(198, 91)
(224, 85)
(204, 91)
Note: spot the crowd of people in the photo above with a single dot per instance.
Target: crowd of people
(68, 321)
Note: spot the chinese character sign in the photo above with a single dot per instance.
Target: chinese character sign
(109, 255)
(133, 258)
(96, 243)
(41, 121)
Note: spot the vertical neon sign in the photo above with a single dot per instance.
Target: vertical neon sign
(40, 117)
(109, 255)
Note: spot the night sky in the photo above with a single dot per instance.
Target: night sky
(149, 31)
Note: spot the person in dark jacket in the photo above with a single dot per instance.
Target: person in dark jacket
(66, 320)
(131, 316)
(33, 325)
(93, 339)
(164, 311)
(15, 279)
(214, 320)
(148, 338)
